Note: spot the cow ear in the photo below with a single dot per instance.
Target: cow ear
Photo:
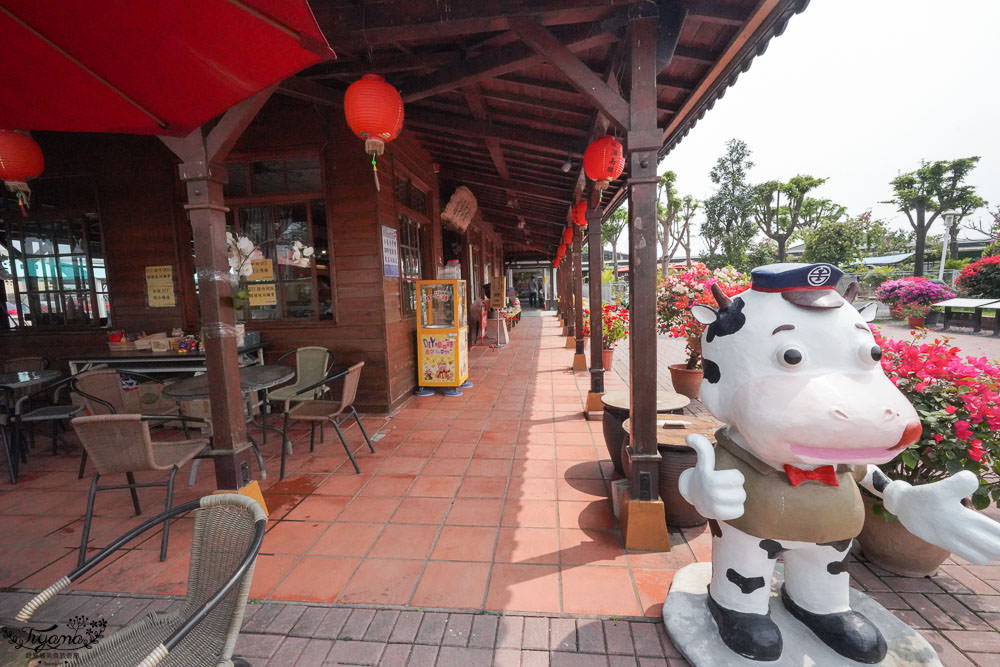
(868, 311)
(704, 314)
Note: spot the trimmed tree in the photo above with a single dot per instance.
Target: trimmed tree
(728, 225)
(922, 195)
(611, 231)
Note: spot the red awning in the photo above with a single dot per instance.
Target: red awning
(145, 66)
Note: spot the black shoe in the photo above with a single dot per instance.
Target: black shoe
(848, 633)
(753, 636)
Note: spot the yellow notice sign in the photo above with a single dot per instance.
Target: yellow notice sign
(263, 295)
(262, 269)
(160, 286)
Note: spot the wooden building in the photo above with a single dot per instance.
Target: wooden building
(500, 97)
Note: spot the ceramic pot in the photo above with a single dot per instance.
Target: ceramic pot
(607, 357)
(892, 547)
(678, 512)
(916, 321)
(686, 381)
(614, 434)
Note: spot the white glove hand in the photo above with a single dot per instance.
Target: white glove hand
(933, 512)
(716, 494)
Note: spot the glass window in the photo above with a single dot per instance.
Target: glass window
(282, 176)
(292, 238)
(409, 261)
(52, 260)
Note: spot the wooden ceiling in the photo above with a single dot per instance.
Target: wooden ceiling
(494, 90)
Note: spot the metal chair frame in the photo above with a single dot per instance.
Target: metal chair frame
(197, 608)
(336, 418)
(132, 485)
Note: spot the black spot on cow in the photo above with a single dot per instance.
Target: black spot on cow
(879, 481)
(839, 545)
(747, 585)
(837, 567)
(713, 526)
(772, 547)
(730, 320)
(711, 370)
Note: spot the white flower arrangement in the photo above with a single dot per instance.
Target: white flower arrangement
(242, 250)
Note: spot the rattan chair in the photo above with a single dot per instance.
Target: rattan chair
(228, 531)
(21, 364)
(121, 444)
(100, 392)
(317, 411)
(45, 405)
(312, 363)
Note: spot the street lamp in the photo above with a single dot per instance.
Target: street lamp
(950, 219)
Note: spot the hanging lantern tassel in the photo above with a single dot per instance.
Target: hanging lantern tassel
(23, 194)
(374, 147)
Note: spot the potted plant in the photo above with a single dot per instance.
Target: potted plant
(959, 407)
(614, 328)
(678, 291)
(911, 298)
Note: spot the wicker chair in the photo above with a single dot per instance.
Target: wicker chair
(317, 411)
(21, 364)
(121, 444)
(228, 531)
(45, 405)
(312, 363)
(100, 391)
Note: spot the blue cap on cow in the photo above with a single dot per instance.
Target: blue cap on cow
(809, 285)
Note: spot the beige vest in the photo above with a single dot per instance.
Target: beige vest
(810, 512)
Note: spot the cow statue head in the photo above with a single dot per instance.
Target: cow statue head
(792, 366)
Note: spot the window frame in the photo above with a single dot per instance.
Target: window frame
(18, 228)
(421, 222)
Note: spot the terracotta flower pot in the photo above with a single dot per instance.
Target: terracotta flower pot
(916, 321)
(607, 357)
(686, 381)
(892, 547)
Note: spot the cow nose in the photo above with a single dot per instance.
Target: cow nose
(840, 414)
(889, 414)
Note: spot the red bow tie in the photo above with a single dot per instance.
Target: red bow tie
(825, 474)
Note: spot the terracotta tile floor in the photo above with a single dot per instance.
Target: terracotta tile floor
(494, 500)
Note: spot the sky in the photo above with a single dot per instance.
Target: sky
(859, 91)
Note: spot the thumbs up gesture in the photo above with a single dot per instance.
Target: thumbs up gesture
(716, 494)
(933, 512)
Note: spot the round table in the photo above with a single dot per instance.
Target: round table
(616, 410)
(252, 378)
(25, 379)
(676, 457)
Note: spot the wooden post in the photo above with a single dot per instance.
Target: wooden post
(206, 209)
(579, 359)
(642, 517)
(596, 304)
(571, 304)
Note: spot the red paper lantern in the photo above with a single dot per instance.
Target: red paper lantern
(604, 161)
(561, 251)
(579, 213)
(568, 236)
(20, 159)
(555, 262)
(374, 110)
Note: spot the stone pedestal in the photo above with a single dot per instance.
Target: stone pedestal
(642, 525)
(579, 362)
(694, 633)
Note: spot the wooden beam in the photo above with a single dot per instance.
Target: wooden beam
(533, 102)
(528, 219)
(522, 189)
(230, 127)
(663, 81)
(308, 90)
(385, 64)
(715, 13)
(542, 141)
(375, 23)
(700, 56)
(559, 55)
(504, 60)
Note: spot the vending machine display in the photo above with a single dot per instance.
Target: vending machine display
(442, 333)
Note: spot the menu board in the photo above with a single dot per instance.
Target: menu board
(160, 286)
(261, 269)
(498, 292)
(263, 294)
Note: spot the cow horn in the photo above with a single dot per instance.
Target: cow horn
(851, 292)
(720, 296)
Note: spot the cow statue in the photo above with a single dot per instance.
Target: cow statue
(793, 371)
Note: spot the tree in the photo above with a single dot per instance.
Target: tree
(667, 209)
(880, 240)
(925, 193)
(780, 222)
(611, 231)
(728, 226)
(836, 242)
(815, 211)
(682, 227)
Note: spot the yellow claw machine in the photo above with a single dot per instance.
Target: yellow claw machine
(442, 336)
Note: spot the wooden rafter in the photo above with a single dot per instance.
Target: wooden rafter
(543, 141)
(581, 76)
(501, 61)
(717, 13)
